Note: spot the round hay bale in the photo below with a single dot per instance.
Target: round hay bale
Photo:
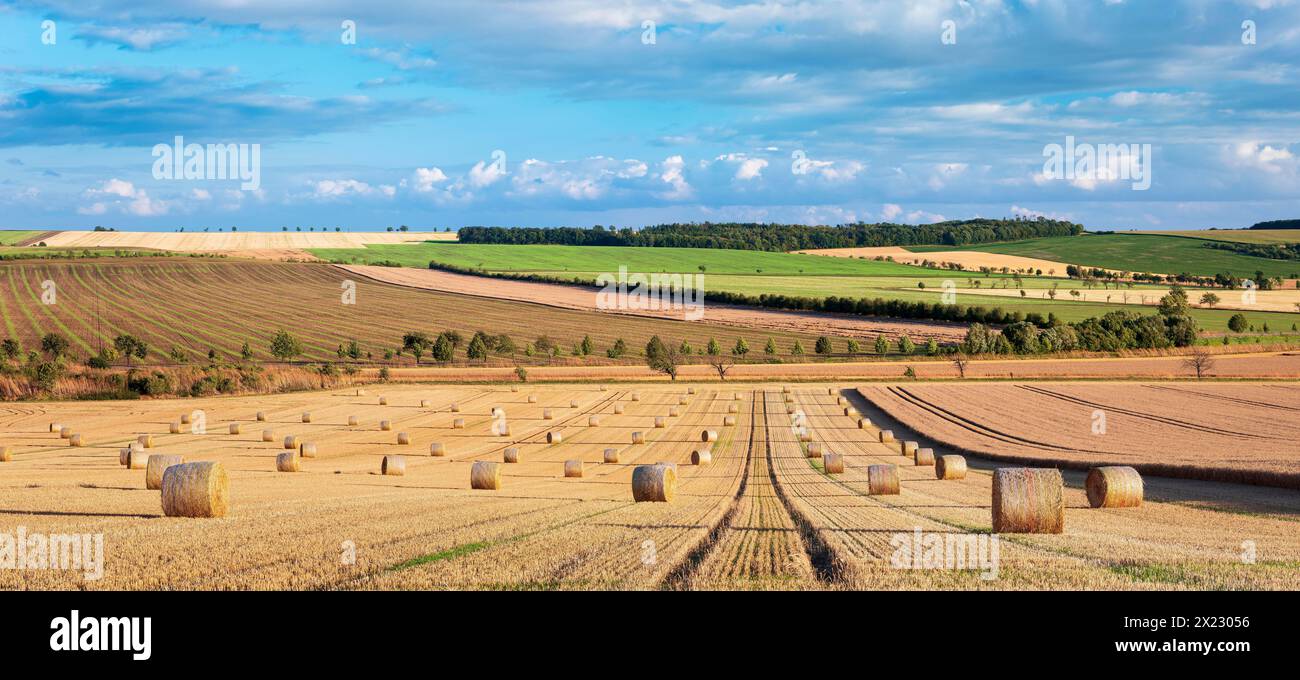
(234, 428)
(155, 466)
(683, 401)
(690, 390)
(573, 468)
(732, 408)
(950, 467)
(735, 396)
(136, 459)
(638, 437)
(353, 421)
(5, 454)
(654, 483)
(532, 398)
(840, 401)
(185, 419)
(196, 490)
(805, 436)
(636, 396)
(850, 412)
(145, 441)
(65, 432)
(554, 437)
(455, 408)
(863, 423)
(503, 430)
(393, 466)
(291, 441)
(886, 436)
(1028, 501)
(728, 421)
(268, 435)
(360, 392)
(833, 463)
(485, 475)
(618, 409)
(661, 422)
(261, 416)
(437, 449)
(547, 415)
(814, 449)
(701, 457)
(573, 403)
(908, 448)
(511, 455)
(174, 427)
(830, 391)
(307, 450)
(785, 389)
(458, 424)
(385, 425)
(289, 461)
(789, 410)
(1114, 486)
(306, 416)
(75, 440)
(674, 412)
(383, 401)
(882, 480)
(56, 427)
(923, 456)
(611, 455)
(403, 439)
(604, 388)
(709, 435)
(593, 421)
(424, 403)
(788, 399)
(124, 456)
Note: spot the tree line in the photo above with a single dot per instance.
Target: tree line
(780, 237)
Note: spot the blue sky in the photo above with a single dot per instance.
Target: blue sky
(811, 112)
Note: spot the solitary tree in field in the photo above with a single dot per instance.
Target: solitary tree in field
(1210, 300)
(1200, 362)
(959, 360)
(417, 343)
(130, 346)
(284, 346)
(661, 357)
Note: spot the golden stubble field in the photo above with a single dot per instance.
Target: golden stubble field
(762, 515)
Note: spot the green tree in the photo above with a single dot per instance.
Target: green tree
(587, 345)
(797, 350)
(741, 348)
(477, 349)
(662, 358)
(246, 352)
(1209, 300)
(54, 345)
(823, 345)
(506, 345)
(11, 349)
(905, 345)
(882, 344)
(284, 346)
(854, 347)
(129, 346)
(685, 348)
(618, 350)
(714, 349)
(443, 350)
(417, 343)
(1237, 323)
(770, 348)
(932, 347)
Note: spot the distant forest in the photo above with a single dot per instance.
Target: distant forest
(780, 237)
(1277, 224)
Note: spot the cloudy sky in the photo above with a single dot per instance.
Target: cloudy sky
(579, 112)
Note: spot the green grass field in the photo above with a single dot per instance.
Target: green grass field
(1136, 253)
(9, 238)
(755, 273)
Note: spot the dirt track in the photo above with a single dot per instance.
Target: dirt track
(572, 297)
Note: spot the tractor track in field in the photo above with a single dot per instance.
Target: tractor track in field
(1220, 397)
(1164, 420)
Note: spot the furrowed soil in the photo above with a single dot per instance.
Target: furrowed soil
(762, 515)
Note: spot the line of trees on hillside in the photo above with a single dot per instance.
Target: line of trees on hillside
(780, 237)
(1277, 224)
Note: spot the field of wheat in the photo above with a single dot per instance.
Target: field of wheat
(760, 514)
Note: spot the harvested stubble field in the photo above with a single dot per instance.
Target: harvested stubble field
(200, 304)
(760, 516)
(1217, 432)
